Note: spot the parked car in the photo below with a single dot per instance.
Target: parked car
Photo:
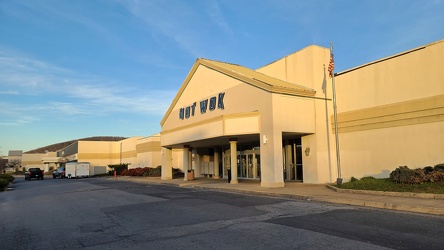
(34, 173)
(60, 172)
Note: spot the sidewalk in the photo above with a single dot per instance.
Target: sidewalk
(409, 202)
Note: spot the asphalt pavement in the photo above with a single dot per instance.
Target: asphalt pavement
(408, 202)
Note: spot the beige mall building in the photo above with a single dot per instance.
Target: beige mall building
(137, 151)
(275, 124)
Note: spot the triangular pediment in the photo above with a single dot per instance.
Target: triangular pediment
(245, 75)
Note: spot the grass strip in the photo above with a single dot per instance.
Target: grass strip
(367, 183)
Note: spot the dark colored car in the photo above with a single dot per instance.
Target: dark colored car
(36, 173)
(60, 172)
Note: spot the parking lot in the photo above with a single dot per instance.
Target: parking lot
(97, 213)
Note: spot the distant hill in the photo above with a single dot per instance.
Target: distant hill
(58, 146)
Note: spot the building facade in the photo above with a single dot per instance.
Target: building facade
(136, 151)
(392, 112)
(275, 124)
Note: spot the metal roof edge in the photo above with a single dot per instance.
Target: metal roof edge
(297, 51)
(253, 80)
(389, 57)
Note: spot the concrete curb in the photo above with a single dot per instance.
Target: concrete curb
(384, 205)
(333, 200)
(361, 203)
(263, 193)
(385, 193)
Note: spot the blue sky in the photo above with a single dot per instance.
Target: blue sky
(73, 69)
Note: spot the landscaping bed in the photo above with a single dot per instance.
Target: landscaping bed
(5, 180)
(421, 180)
(370, 183)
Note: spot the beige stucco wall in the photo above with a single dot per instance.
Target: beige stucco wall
(407, 77)
(303, 67)
(249, 110)
(33, 161)
(309, 117)
(137, 151)
(288, 114)
(126, 149)
(16, 158)
(98, 153)
(177, 155)
(391, 113)
(205, 84)
(148, 152)
(202, 86)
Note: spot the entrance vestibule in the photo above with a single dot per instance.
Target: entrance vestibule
(248, 163)
(216, 162)
(292, 158)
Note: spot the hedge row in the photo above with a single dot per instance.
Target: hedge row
(420, 175)
(135, 171)
(118, 168)
(5, 179)
(147, 171)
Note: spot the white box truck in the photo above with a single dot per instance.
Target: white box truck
(77, 169)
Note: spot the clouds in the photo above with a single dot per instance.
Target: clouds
(19, 72)
(108, 61)
(42, 87)
(16, 115)
(190, 25)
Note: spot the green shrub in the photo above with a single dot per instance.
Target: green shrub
(402, 174)
(436, 176)
(3, 184)
(177, 173)
(353, 179)
(428, 169)
(118, 167)
(156, 171)
(7, 177)
(135, 171)
(439, 167)
(146, 171)
(408, 176)
(417, 176)
(389, 186)
(367, 178)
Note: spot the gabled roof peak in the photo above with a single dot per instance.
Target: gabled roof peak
(246, 75)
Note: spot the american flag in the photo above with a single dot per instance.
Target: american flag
(331, 65)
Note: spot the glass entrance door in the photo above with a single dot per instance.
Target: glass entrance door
(248, 164)
(293, 160)
(226, 162)
(242, 169)
(253, 163)
(298, 166)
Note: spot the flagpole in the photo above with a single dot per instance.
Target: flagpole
(324, 89)
(339, 179)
